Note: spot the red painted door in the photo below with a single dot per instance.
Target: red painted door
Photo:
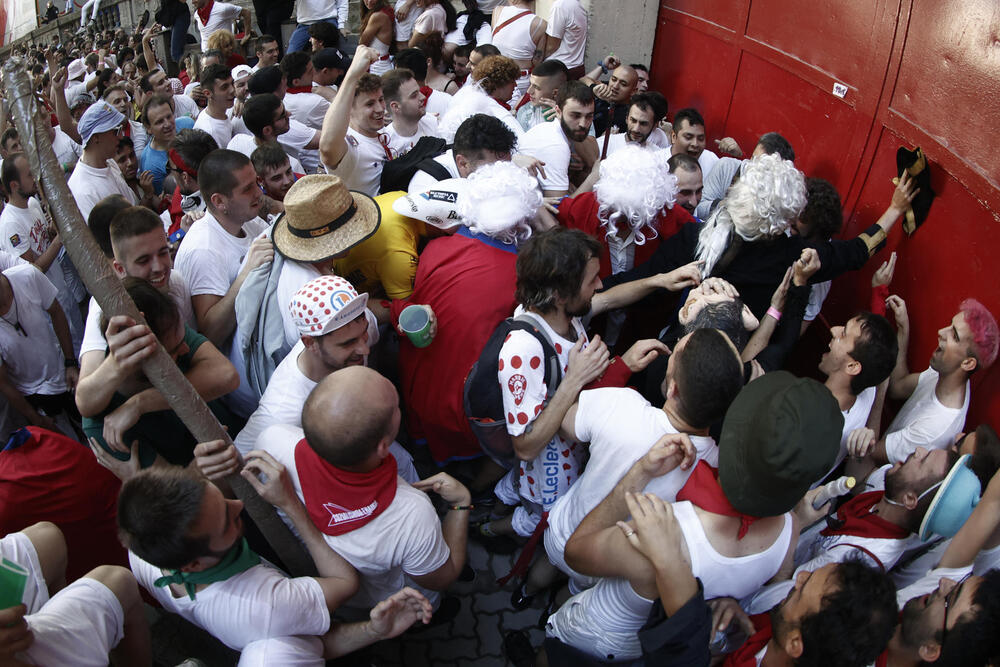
(915, 73)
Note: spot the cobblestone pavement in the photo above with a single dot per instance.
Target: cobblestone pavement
(474, 637)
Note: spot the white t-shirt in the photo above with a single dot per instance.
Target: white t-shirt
(247, 144)
(405, 539)
(929, 582)
(93, 337)
(707, 160)
(258, 603)
(307, 108)
(90, 185)
(33, 359)
(222, 17)
(361, 166)
(221, 130)
(432, 19)
(817, 295)
(924, 421)
(568, 22)
(185, 106)
(404, 28)
(67, 151)
(522, 380)
(421, 180)
(855, 417)
(657, 139)
(548, 143)
(23, 229)
(400, 145)
(438, 102)
(295, 141)
(310, 11)
(620, 426)
(815, 550)
(209, 259)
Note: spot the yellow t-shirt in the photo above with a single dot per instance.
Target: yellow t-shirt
(385, 264)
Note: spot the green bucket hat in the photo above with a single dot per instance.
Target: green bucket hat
(780, 436)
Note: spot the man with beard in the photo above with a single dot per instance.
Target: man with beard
(408, 107)
(551, 142)
(612, 97)
(878, 527)
(687, 171)
(645, 111)
(274, 170)
(217, 81)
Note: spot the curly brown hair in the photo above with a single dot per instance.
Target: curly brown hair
(224, 41)
(495, 71)
(368, 83)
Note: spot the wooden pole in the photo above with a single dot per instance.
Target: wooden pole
(104, 284)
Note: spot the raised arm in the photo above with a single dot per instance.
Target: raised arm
(332, 141)
(625, 294)
(66, 122)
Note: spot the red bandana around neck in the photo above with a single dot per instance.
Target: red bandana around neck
(299, 89)
(426, 92)
(702, 489)
(746, 655)
(205, 12)
(339, 501)
(855, 518)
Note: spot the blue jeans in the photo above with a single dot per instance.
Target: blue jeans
(178, 35)
(300, 38)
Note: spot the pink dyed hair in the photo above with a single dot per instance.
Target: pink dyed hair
(985, 334)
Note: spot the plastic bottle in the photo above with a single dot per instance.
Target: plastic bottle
(838, 487)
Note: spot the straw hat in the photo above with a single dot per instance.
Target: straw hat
(323, 218)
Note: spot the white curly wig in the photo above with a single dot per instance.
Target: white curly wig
(770, 194)
(501, 201)
(635, 183)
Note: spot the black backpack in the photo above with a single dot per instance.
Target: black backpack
(396, 174)
(482, 397)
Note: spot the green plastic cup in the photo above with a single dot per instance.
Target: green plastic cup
(416, 324)
(13, 578)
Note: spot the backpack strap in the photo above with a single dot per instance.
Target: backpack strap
(434, 168)
(553, 367)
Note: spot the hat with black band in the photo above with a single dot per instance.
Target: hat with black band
(323, 219)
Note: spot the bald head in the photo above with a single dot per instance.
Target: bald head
(622, 83)
(349, 414)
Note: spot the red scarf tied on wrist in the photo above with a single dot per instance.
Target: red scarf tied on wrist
(702, 489)
(205, 11)
(339, 501)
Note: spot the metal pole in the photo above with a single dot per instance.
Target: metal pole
(104, 284)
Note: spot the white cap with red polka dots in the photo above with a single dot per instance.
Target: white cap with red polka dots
(325, 304)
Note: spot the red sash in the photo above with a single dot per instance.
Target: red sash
(299, 89)
(205, 12)
(175, 212)
(855, 518)
(339, 501)
(526, 12)
(745, 656)
(702, 489)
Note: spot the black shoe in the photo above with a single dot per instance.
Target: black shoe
(467, 575)
(519, 599)
(549, 609)
(446, 612)
(517, 647)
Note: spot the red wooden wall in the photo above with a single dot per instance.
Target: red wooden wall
(918, 72)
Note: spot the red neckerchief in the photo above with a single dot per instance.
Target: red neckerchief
(855, 518)
(524, 100)
(882, 660)
(746, 655)
(205, 12)
(299, 89)
(503, 104)
(702, 489)
(426, 92)
(339, 501)
(388, 12)
(175, 212)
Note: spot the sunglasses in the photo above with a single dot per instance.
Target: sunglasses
(949, 600)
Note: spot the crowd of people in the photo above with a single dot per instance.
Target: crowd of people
(457, 285)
